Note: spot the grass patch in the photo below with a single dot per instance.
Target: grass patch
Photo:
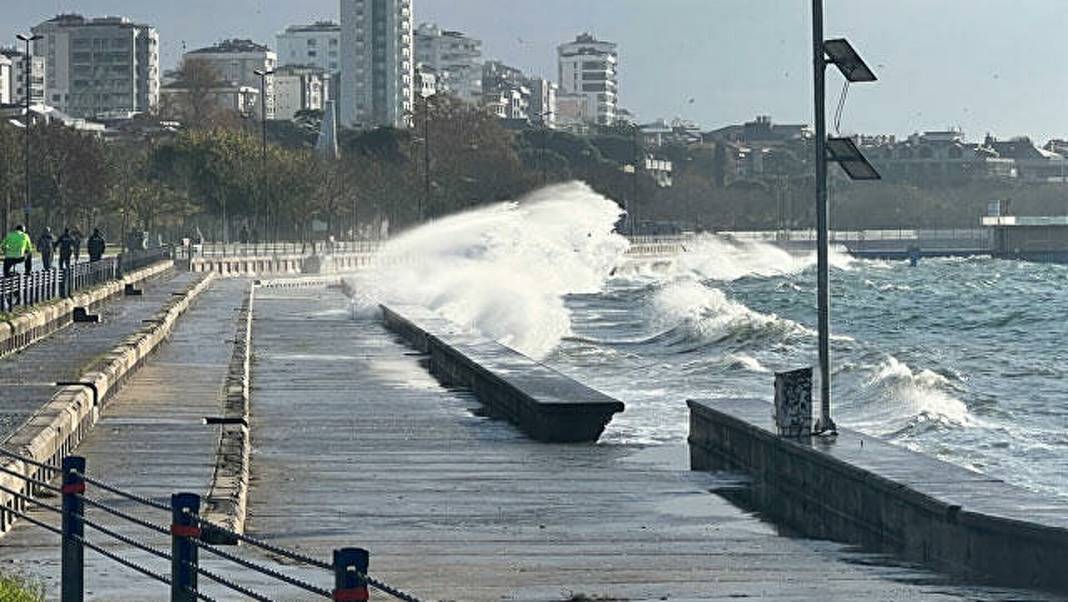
(19, 589)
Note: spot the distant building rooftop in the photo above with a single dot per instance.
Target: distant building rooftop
(77, 20)
(232, 46)
(318, 26)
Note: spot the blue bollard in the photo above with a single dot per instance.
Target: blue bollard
(72, 579)
(185, 508)
(350, 571)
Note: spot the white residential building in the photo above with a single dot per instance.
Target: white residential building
(299, 88)
(588, 67)
(377, 63)
(317, 44)
(16, 86)
(236, 62)
(542, 102)
(454, 57)
(99, 67)
(5, 80)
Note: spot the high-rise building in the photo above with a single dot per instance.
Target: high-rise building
(16, 86)
(317, 44)
(455, 58)
(588, 68)
(377, 63)
(99, 67)
(236, 62)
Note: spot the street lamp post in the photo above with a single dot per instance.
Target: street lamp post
(26, 88)
(263, 73)
(425, 203)
(839, 53)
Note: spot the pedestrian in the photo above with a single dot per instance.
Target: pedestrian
(77, 234)
(45, 245)
(95, 245)
(17, 247)
(65, 244)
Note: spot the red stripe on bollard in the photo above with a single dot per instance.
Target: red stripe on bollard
(353, 594)
(73, 488)
(185, 531)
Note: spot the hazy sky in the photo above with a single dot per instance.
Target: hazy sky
(982, 65)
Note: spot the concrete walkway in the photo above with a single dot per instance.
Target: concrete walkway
(151, 440)
(356, 445)
(27, 378)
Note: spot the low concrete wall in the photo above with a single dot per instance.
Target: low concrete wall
(542, 402)
(41, 320)
(59, 426)
(280, 264)
(227, 498)
(859, 489)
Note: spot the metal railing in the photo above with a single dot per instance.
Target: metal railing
(24, 290)
(189, 535)
(218, 249)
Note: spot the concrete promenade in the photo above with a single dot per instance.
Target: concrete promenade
(150, 440)
(356, 445)
(27, 378)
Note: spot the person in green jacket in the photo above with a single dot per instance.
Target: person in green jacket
(16, 247)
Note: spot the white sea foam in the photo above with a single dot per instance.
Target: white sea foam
(896, 393)
(709, 315)
(715, 257)
(503, 270)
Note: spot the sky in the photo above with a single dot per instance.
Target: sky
(979, 65)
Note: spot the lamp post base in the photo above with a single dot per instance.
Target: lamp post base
(825, 426)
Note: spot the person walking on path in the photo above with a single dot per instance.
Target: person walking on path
(46, 243)
(96, 245)
(65, 244)
(77, 234)
(17, 246)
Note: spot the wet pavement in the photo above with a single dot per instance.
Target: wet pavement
(28, 377)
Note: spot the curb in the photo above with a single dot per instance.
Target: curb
(60, 425)
(226, 501)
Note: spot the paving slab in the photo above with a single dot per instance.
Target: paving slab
(27, 377)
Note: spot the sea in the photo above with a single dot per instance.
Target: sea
(963, 359)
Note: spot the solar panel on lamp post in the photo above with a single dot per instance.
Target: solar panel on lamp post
(840, 53)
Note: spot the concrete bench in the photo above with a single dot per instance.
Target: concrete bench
(545, 404)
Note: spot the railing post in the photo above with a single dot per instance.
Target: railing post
(73, 555)
(185, 508)
(350, 574)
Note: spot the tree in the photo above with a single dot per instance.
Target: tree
(194, 97)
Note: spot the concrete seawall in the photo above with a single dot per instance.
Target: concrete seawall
(859, 489)
(542, 402)
(41, 320)
(57, 428)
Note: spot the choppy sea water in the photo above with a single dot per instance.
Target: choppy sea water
(961, 359)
